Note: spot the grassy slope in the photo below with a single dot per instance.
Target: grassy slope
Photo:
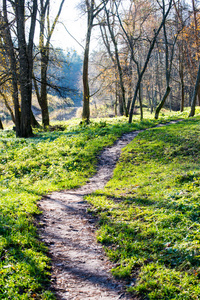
(30, 168)
(150, 213)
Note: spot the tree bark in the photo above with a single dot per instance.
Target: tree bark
(182, 95)
(13, 66)
(158, 109)
(193, 103)
(92, 13)
(167, 67)
(43, 92)
(140, 102)
(130, 74)
(44, 48)
(1, 124)
(86, 91)
(25, 64)
(123, 99)
(42, 99)
(25, 84)
(121, 105)
(34, 122)
(198, 95)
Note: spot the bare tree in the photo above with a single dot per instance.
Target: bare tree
(25, 63)
(6, 34)
(168, 62)
(119, 68)
(1, 124)
(93, 10)
(193, 103)
(148, 58)
(44, 49)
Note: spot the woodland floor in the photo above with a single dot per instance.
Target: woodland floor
(80, 268)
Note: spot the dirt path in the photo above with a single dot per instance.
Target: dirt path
(80, 269)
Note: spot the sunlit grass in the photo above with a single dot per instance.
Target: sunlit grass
(30, 168)
(150, 213)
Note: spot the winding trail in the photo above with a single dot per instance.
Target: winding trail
(80, 268)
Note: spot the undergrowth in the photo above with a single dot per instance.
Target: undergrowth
(30, 168)
(149, 213)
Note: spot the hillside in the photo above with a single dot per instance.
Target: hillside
(148, 213)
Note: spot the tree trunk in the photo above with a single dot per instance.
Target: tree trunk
(121, 105)
(25, 81)
(44, 51)
(193, 103)
(34, 122)
(116, 96)
(198, 93)
(92, 12)
(123, 100)
(148, 96)
(1, 125)
(13, 65)
(182, 96)
(25, 64)
(43, 103)
(181, 74)
(158, 109)
(130, 73)
(154, 102)
(86, 91)
(140, 102)
(43, 97)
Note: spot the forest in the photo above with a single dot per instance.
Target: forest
(99, 151)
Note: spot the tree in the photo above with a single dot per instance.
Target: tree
(9, 48)
(168, 62)
(1, 124)
(25, 63)
(135, 33)
(148, 58)
(92, 12)
(193, 104)
(44, 50)
(23, 114)
(117, 59)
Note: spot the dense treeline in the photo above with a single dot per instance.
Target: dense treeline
(161, 66)
(148, 54)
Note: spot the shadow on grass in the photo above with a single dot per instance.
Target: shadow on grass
(23, 273)
(152, 235)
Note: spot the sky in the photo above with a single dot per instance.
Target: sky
(74, 22)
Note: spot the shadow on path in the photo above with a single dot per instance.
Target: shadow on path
(80, 268)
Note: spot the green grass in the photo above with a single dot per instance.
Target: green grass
(30, 168)
(149, 213)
